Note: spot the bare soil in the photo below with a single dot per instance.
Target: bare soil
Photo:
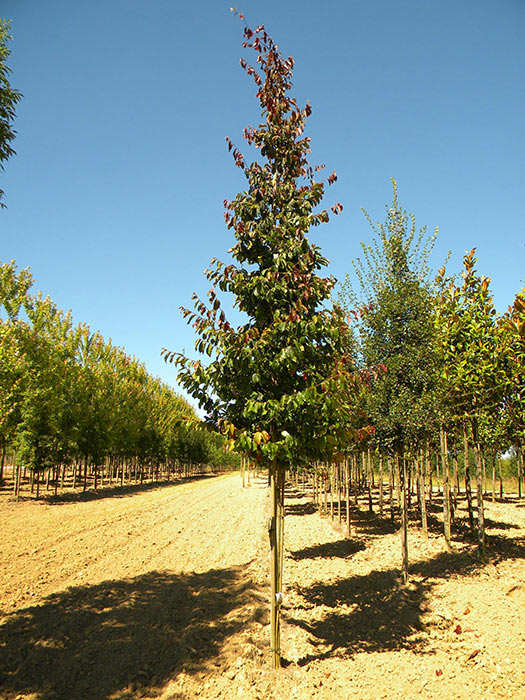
(162, 592)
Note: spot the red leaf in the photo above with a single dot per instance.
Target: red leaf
(473, 654)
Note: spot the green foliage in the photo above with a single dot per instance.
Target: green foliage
(9, 98)
(396, 331)
(512, 349)
(282, 385)
(66, 394)
(469, 335)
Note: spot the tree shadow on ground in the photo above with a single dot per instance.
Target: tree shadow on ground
(300, 508)
(371, 523)
(116, 491)
(339, 548)
(500, 524)
(112, 639)
(375, 612)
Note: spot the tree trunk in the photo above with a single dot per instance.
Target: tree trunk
(17, 481)
(455, 476)
(339, 493)
(521, 470)
(381, 485)
(446, 486)
(479, 484)
(276, 557)
(494, 477)
(2, 461)
(370, 466)
(468, 489)
(347, 494)
(391, 488)
(428, 468)
(422, 496)
(402, 477)
(331, 482)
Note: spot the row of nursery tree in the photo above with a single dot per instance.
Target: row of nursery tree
(399, 368)
(451, 369)
(395, 368)
(79, 408)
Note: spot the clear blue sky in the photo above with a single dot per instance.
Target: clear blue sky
(115, 195)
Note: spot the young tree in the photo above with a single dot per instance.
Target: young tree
(512, 338)
(473, 371)
(281, 384)
(396, 331)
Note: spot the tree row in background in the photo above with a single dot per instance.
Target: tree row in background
(455, 372)
(78, 408)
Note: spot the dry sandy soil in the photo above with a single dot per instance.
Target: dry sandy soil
(161, 592)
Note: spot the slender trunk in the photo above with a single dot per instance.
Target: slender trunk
(331, 482)
(325, 501)
(17, 481)
(423, 503)
(455, 477)
(404, 519)
(355, 464)
(500, 478)
(409, 484)
(446, 486)
(494, 477)
(438, 474)
(370, 479)
(339, 494)
(381, 485)
(428, 467)
(479, 484)
(398, 482)
(520, 471)
(468, 489)
(391, 487)
(275, 566)
(2, 460)
(37, 475)
(347, 477)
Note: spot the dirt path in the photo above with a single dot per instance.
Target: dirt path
(163, 594)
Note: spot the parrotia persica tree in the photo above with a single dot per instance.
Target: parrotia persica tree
(280, 385)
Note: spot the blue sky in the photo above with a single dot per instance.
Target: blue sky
(115, 195)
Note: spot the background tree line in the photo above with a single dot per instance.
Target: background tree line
(70, 400)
